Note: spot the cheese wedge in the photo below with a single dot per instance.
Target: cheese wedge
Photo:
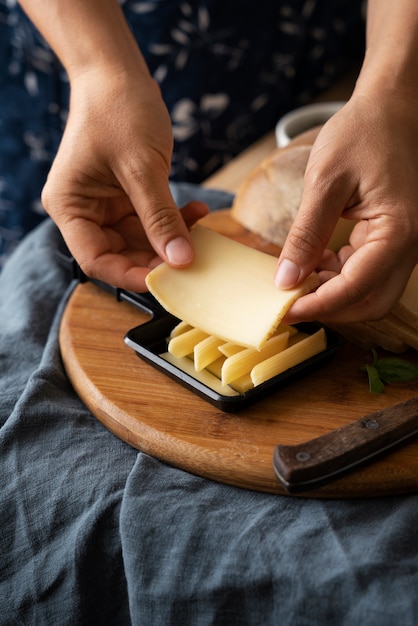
(407, 307)
(394, 327)
(227, 291)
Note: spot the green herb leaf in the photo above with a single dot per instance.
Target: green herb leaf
(375, 384)
(394, 370)
(389, 370)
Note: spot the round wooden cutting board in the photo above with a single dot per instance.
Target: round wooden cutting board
(149, 411)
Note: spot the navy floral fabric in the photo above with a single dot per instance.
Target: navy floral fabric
(227, 70)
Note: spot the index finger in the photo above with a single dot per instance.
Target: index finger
(324, 198)
(367, 287)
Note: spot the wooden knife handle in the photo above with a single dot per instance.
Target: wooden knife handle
(316, 462)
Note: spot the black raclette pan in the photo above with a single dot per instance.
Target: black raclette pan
(149, 341)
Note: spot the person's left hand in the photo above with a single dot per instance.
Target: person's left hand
(108, 188)
(124, 246)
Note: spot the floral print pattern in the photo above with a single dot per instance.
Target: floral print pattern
(227, 70)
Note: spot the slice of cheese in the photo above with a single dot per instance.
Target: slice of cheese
(227, 291)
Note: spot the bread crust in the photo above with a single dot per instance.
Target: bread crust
(269, 198)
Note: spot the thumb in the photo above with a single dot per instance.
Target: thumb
(163, 222)
(168, 233)
(307, 239)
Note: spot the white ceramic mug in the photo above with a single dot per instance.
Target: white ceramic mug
(302, 119)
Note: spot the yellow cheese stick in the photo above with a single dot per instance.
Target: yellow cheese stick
(180, 328)
(205, 377)
(242, 363)
(290, 357)
(282, 328)
(242, 384)
(215, 367)
(227, 291)
(184, 344)
(296, 338)
(206, 351)
(228, 349)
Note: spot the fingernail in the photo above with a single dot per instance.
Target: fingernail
(287, 274)
(178, 251)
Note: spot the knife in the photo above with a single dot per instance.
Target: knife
(317, 462)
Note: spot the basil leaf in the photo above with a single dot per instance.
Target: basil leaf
(375, 384)
(389, 370)
(395, 370)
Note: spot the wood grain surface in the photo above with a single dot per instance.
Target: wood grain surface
(146, 409)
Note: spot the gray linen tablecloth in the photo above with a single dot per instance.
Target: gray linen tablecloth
(94, 532)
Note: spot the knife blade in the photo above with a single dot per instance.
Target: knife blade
(315, 463)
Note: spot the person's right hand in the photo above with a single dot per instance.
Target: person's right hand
(108, 189)
(362, 167)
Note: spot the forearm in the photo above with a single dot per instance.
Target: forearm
(392, 48)
(87, 34)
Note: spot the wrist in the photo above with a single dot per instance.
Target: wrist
(108, 50)
(391, 57)
(87, 35)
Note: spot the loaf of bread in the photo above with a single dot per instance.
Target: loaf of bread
(269, 198)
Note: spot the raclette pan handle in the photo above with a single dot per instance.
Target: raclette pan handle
(144, 301)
